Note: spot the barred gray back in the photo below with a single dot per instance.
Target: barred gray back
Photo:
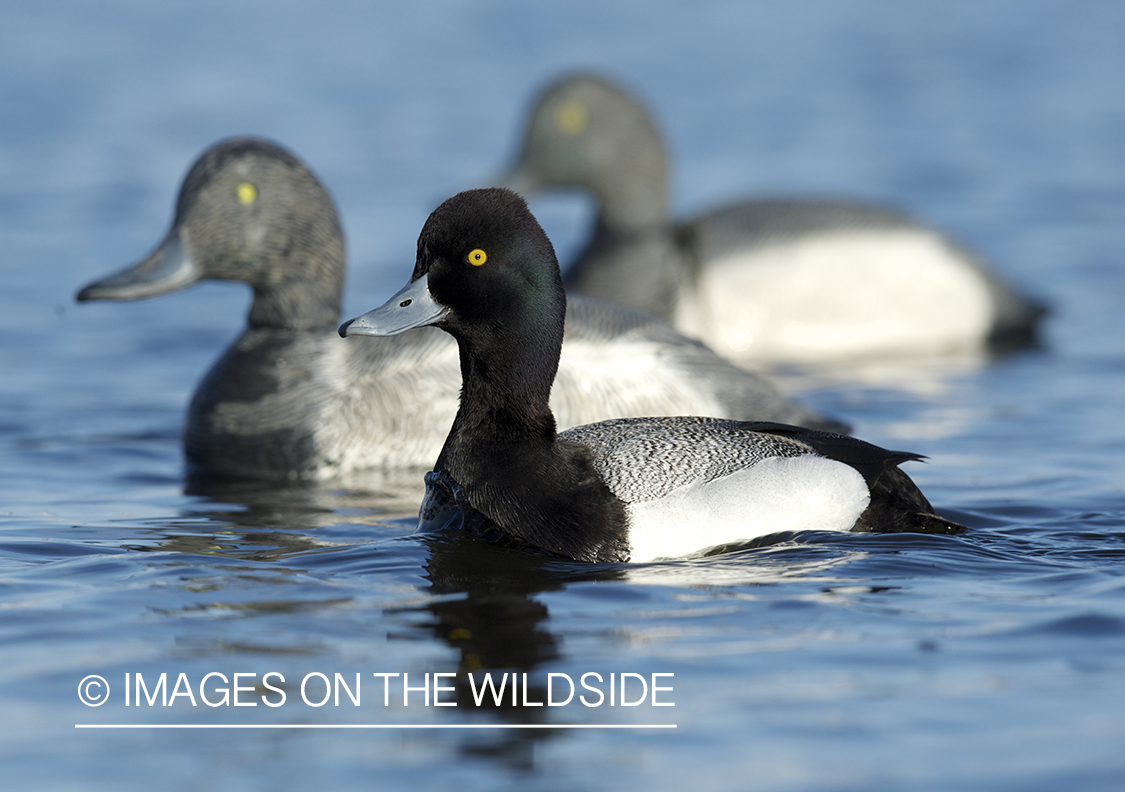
(643, 459)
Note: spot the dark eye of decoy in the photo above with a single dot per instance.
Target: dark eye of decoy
(247, 193)
(477, 257)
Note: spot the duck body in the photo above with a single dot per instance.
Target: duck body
(772, 280)
(295, 405)
(622, 490)
(303, 405)
(290, 400)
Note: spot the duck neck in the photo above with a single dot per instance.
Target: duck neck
(633, 196)
(295, 306)
(505, 395)
(627, 210)
(503, 455)
(303, 298)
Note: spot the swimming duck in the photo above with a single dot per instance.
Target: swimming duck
(769, 281)
(290, 400)
(634, 489)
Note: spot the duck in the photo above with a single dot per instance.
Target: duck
(630, 490)
(289, 400)
(770, 281)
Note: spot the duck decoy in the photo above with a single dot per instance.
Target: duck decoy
(290, 400)
(776, 280)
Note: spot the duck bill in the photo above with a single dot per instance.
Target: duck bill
(167, 269)
(413, 306)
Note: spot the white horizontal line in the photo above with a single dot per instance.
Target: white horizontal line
(375, 726)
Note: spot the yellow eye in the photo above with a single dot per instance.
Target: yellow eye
(247, 193)
(478, 257)
(572, 117)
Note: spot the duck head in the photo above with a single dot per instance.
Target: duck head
(248, 211)
(586, 132)
(486, 273)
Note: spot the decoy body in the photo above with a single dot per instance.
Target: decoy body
(634, 489)
(291, 400)
(772, 280)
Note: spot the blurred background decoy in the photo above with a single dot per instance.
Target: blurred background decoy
(290, 400)
(774, 280)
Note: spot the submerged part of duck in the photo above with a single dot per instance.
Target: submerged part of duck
(290, 400)
(625, 490)
(778, 280)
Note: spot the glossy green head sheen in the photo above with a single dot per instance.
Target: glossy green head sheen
(488, 259)
(485, 271)
(486, 274)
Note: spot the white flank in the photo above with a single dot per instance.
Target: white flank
(599, 381)
(778, 494)
(838, 294)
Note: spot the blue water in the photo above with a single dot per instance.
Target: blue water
(989, 661)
